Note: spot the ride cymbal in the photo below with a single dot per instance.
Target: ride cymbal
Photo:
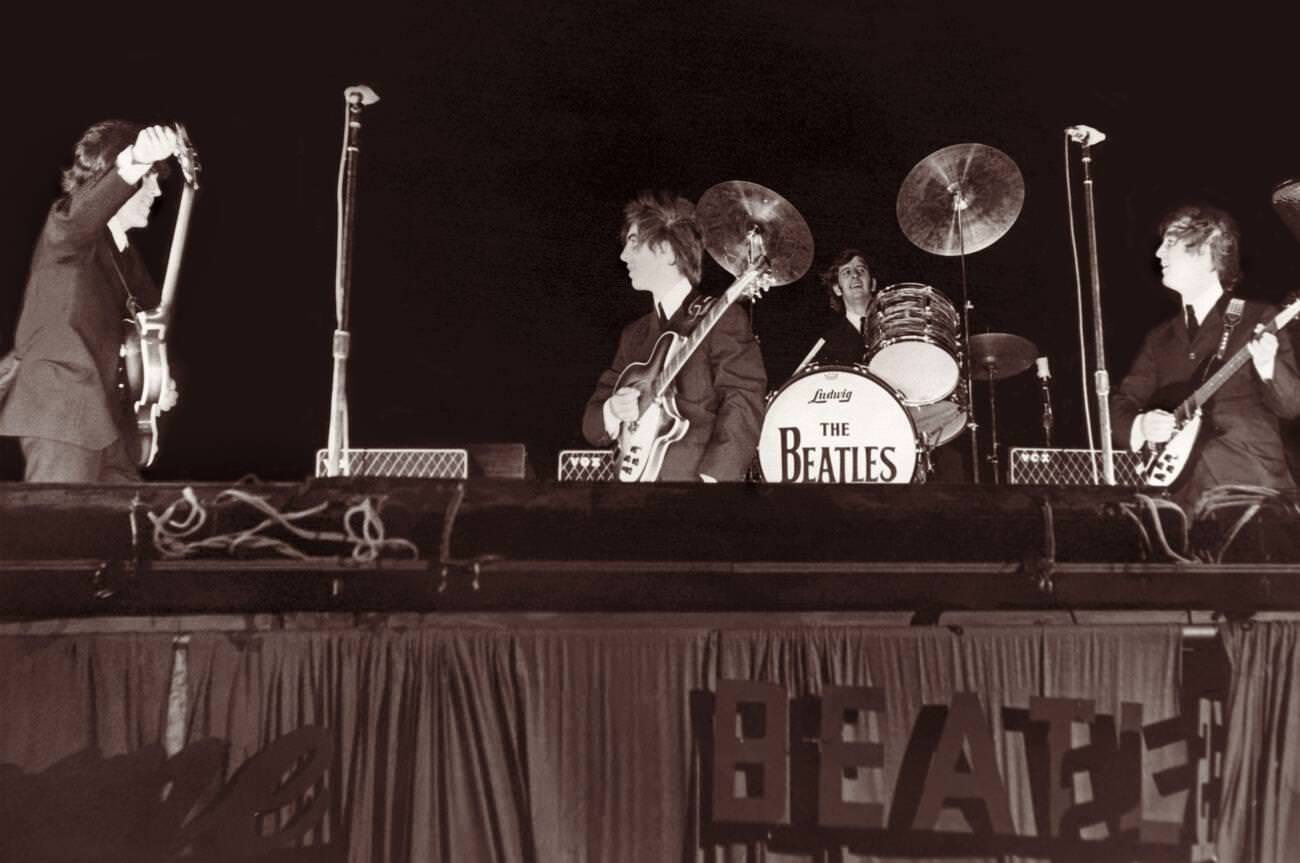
(730, 211)
(975, 185)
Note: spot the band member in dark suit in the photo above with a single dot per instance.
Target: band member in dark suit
(1241, 441)
(66, 405)
(850, 284)
(720, 389)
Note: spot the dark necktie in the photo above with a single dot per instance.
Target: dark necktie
(862, 328)
(1192, 326)
(663, 319)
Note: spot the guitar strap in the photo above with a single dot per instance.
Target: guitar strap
(132, 305)
(1231, 317)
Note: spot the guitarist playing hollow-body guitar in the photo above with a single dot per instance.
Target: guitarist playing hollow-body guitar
(705, 424)
(66, 403)
(1221, 348)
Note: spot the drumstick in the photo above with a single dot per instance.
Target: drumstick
(815, 348)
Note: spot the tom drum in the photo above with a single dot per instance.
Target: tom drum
(914, 343)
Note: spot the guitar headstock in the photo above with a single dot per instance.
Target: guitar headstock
(187, 157)
(753, 284)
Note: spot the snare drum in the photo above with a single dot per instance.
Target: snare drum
(837, 424)
(914, 342)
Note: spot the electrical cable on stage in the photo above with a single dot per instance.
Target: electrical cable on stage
(445, 561)
(1253, 498)
(1153, 506)
(362, 529)
(1215, 501)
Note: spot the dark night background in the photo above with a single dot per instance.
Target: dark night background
(487, 290)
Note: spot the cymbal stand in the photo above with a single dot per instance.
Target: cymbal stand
(959, 203)
(756, 252)
(990, 369)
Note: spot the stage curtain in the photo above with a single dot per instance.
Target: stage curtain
(81, 725)
(61, 695)
(1260, 808)
(497, 740)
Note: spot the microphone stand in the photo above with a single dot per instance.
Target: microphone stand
(960, 203)
(1045, 387)
(355, 97)
(1101, 378)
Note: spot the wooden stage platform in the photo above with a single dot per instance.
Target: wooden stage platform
(487, 545)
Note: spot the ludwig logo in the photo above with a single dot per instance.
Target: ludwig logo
(821, 396)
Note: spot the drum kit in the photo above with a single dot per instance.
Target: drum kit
(878, 421)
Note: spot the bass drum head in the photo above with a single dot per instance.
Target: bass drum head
(837, 424)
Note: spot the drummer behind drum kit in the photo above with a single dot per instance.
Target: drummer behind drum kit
(877, 422)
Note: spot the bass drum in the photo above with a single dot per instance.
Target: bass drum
(837, 424)
(940, 422)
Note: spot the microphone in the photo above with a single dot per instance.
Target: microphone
(1085, 135)
(361, 93)
(1045, 384)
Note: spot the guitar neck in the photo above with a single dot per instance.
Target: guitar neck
(1193, 403)
(177, 252)
(711, 316)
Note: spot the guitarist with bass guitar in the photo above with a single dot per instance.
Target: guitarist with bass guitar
(65, 398)
(705, 425)
(1205, 396)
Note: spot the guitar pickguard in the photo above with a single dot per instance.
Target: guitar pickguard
(1165, 465)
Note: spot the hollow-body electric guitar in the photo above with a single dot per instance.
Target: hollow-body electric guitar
(144, 346)
(643, 442)
(1164, 462)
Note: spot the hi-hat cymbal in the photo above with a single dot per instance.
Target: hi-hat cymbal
(977, 181)
(728, 211)
(995, 356)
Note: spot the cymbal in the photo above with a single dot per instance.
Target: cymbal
(726, 213)
(979, 181)
(995, 356)
(1286, 203)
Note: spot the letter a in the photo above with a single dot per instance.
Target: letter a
(943, 781)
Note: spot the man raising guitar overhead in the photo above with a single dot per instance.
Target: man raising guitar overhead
(1219, 360)
(67, 403)
(705, 425)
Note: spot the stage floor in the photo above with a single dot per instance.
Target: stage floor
(388, 545)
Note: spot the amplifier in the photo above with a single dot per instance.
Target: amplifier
(422, 463)
(1039, 466)
(585, 465)
(483, 460)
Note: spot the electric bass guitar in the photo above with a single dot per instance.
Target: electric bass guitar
(1164, 462)
(144, 347)
(643, 442)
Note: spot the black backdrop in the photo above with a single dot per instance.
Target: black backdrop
(487, 287)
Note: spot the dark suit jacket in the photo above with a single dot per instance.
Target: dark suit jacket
(720, 393)
(1241, 440)
(844, 344)
(70, 330)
